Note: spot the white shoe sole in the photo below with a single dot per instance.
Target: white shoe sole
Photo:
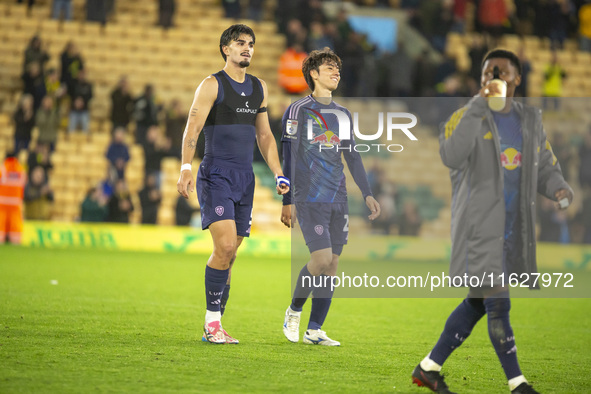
(308, 341)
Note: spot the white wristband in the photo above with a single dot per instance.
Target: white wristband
(186, 166)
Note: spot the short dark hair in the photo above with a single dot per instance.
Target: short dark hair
(503, 54)
(316, 59)
(232, 33)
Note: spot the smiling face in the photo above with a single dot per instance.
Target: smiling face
(327, 76)
(507, 72)
(240, 51)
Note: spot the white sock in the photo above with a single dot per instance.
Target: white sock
(429, 365)
(516, 381)
(211, 316)
(292, 312)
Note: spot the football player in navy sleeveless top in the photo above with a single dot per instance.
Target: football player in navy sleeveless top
(319, 192)
(230, 107)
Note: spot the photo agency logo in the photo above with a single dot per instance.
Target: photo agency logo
(319, 133)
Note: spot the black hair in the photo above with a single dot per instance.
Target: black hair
(232, 33)
(316, 59)
(503, 54)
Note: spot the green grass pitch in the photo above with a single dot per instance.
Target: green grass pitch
(131, 322)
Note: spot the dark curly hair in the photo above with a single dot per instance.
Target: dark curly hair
(316, 59)
(503, 54)
(232, 33)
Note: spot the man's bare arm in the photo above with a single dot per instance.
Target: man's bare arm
(265, 138)
(268, 146)
(205, 96)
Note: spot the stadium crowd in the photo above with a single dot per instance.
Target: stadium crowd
(59, 99)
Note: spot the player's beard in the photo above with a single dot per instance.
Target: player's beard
(244, 63)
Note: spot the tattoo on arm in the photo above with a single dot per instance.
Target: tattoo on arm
(193, 112)
(192, 143)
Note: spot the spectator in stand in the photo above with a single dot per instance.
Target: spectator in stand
(559, 22)
(311, 11)
(96, 11)
(524, 15)
(121, 104)
(34, 84)
(410, 221)
(436, 21)
(585, 161)
(554, 74)
(343, 26)
(585, 27)
(397, 73)
(353, 60)
(184, 212)
(12, 184)
(38, 196)
(232, 8)
(478, 49)
(118, 152)
(156, 148)
(175, 126)
(165, 13)
(145, 114)
(331, 32)
(295, 33)
(107, 185)
(120, 205)
(423, 80)
(387, 200)
(47, 121)
(39, 157)
(150, 198)
(492, 15)
(71, 65)
(317, 38)
(291, 78)
(36, 52)
(459, 16)
(24, 121)
(53, 87)
(521, 90)
(30, 4)
(81, 96)
(94, 207)
(59, 6)
(284, 12)
(255, 10)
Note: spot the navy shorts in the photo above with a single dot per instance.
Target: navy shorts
(225, 194)
(324, 225)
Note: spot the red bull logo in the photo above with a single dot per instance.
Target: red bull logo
(328, 138)
(511, 159)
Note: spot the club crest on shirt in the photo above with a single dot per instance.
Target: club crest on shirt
(511, 158)
(219, 210)
(319, 229)
(291, 127)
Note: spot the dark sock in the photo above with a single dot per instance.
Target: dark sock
(501, 333)
(225, 297)
(301, 292)
(457, 328)
(320, 303)
(215, 281)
